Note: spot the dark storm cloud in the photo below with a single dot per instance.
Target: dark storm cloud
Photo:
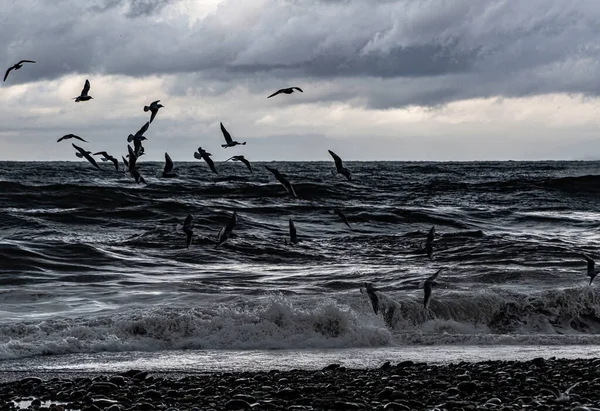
(433, 51)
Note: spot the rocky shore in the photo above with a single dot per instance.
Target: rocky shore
(493, 385)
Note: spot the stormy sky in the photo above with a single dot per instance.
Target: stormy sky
(382, 79)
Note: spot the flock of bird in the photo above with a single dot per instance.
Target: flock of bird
(130, 162)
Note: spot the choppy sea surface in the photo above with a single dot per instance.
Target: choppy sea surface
(94, 268)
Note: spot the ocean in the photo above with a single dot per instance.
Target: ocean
(95, 273)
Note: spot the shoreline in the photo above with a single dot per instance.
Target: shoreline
(501, 385)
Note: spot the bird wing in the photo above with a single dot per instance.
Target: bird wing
(337, 159)
(104, 153)
(226, 134)
(86, 88)
(232, 223)
(87, 156)
(153, 115)
(142, 130)
(154, 102)
(210, 163)
(274, 94)
(590, 261)
(78, 138)
(433, 277)
(293, 235)
(299, 89)
(125, 162)
(26, 61)
(427, 287)
(61, 139)
(568, 390)
(8, 71)
(243, 160)
(116, 162)
(197, 156)
(187, 224)
(168, 163)
(374, 300)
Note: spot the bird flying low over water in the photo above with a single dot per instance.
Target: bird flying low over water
(205, 155)
(108, 157)
(168, 170)
(288, 90)
(427, 286)
(68, 136)
(226, 231)
(288, 186)
(243, 160)
(187, 229)
(228, 139)
(429, 243)
(83, 153)
(138, 138)
(17, 66)
(339, 166)
(84, 93)
(591, 268)
(153, 108)
(342, 216)
(132, 166)
(370, 290)
(293, 234)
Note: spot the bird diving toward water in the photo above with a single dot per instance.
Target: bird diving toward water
(427, 286)
(226, 231)
(153, 108)
(68, 136)
(243, 160)
(202, 154)
(83, 153)
(288, 90)
(108, 157)
(84, 93)
(339, 166)
(288, 186)
(17, 66)
(591, 268)
(187, 229)
(370, 290)
(342, 216)
(228, 139)
(168, 170)
(138, 138)
(293, 234)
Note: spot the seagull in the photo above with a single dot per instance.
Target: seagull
(168, 171)
(427, 286)
(132, 166)
(107, 157)
(372, 296)
(226, 231)
(288, 186)
(560, 397)
(205, 155)
(68, 136)
(243, 160)
(293, 235)
(187, 229)
(342, 216)
(138, 138)
(86, 154)
(429, 243)
(84, 93)
(228, 139)
(339, 166)
(591, 268)
(289, 90)
(17, 66)
(153, 108)
(431, 235)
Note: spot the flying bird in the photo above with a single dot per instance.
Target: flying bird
(429, 243)
(342, 216)
(205, 155)
(84, 93)
(339, 166)
(138, 138)
(83, 153)
(17, 66)
(293, 235)
(108, 157)
(187, 229)
(153, 108)
(560, 397)
(370, 290)
(228, 139)
(68, 136)
(288, 186)
(591, 268)
(289, 90)
(168, 170)
(226, 231)
(427, 286)
(132, 166)
(243, 160)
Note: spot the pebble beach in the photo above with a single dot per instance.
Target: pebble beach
(539, 384)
